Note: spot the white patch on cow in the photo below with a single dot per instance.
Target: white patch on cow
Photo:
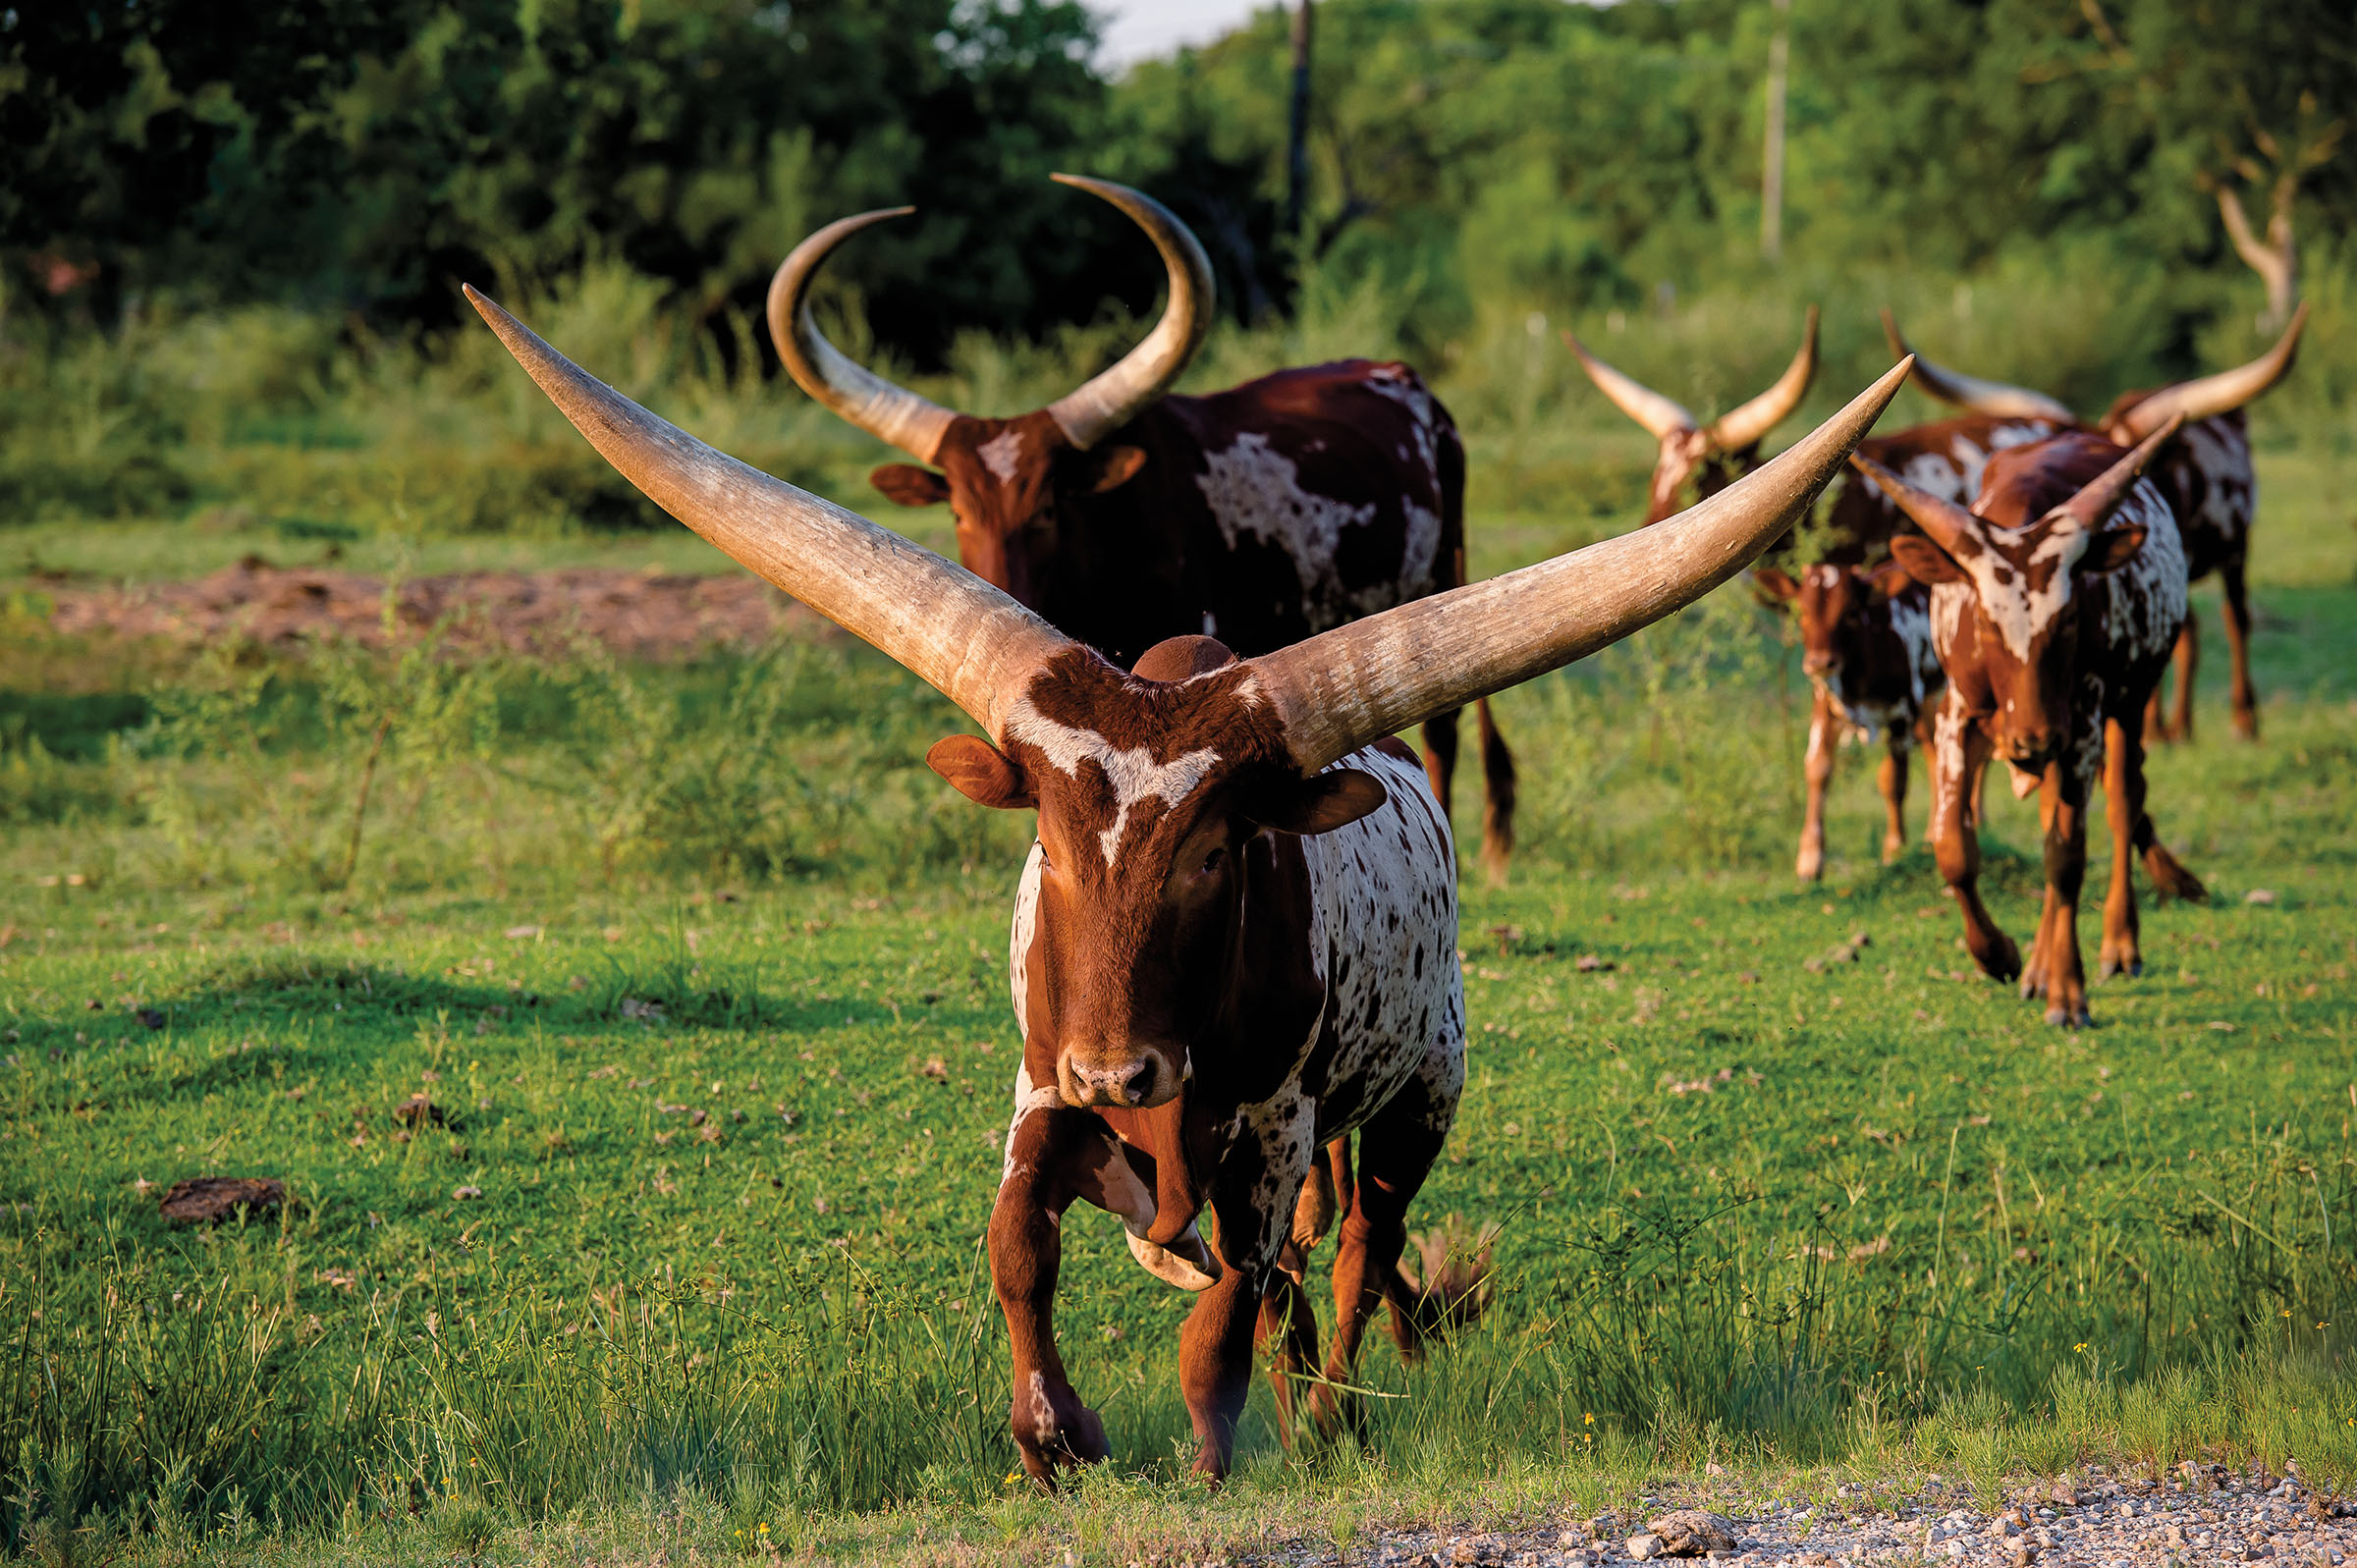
(2016, 611)
(1020, 932)
(1947, 760)
(1027, 1099)
(1043, 1413)
(2146, 603)
(1003, 454)
(1131, 773)
(1403, 386)
(1911, 624)
(1254, 490)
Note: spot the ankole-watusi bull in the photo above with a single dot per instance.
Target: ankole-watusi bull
(1125, 515)
(2055, 600)
(1866, 645)
(1234, 942)
(2204, 474)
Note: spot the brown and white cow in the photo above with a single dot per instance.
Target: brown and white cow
(1867, 653)
(2205, 474)
(2055, 600)
(1233, 945)
(1866, 647)
(1259, 515)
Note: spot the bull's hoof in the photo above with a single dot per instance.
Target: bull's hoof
(2246, 724)
(1810, 866)
(2131, 967)
(2171, 880)
(2002, 961)
(1056, 1434)
(1892, 848)
(2068, 1015)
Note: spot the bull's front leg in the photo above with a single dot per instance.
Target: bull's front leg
(1051, 1150)
(2237, 618)
(1893, 779)
(2056, 970)
(1817, 769)
(1959, 760)
(2124, 805)
(1253, 1197)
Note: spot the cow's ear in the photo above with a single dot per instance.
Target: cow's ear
(980, 771)
(1924, 560)
(1887, 578)
(1779, 583)
(2113, 548)
(1320, 803)
(1112, 467)
(911, 485)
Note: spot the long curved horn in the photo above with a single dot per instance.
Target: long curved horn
(2101, 495)
(1109, 400)
(953, 630)
(1971, 392)
(883, 409)
(1343, 689)
(2208, 396)
(1746, 423)
(1661, 417)
(1951, 527)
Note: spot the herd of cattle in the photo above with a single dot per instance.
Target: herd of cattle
(1188, 628)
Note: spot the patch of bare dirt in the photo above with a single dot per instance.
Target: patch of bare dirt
(639, 615)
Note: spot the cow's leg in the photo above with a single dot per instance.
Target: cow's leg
(1892, 778)
(2054, 969)
(1439, 756)
(1959, 758)
(2124, 805)
(1290, 1323)
(2183, 657)
(1253, 1197)
(2237, 619)
(1396, 1150)
(1497, 793)
(1053, 1154)
(1817, 767)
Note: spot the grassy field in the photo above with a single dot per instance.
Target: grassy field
(705, 974)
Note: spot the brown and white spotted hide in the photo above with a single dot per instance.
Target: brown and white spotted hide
(1260, 516)
(1220, 969)
(1866, 647)
(2053, 635)
(2206, 476)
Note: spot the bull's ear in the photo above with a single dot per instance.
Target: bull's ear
(911, 485)
(1886, 579)
(980, 771)
(1320, 803)
(2113, 548)
(1777, 583)
(1924, 560)
(1112, 467)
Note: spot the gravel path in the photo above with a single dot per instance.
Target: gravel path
(2094, 1519)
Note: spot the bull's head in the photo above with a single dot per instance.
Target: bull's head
(1706, 457)
(1162, 790)
(1004, 479)
(2022, 556)
(1832, 601)
(2136, 415)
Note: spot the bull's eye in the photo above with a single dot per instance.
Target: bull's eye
(1214, 861)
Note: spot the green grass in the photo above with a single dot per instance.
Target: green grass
(1899, 1227)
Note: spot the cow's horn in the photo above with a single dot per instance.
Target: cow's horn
(2208, 396)
(1992, 397)
(1746, 423)
(883, 409)
(1661, 417)
(1105, 402)
(1951, 527)
(2100, 497)
(958, 634)
(1349, 686)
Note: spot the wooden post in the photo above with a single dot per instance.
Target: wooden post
(1772, 177)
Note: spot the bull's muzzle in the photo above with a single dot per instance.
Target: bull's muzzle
(1129, 1081)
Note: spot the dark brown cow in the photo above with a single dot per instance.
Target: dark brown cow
(1234, 942)
(1866, 647)
(2056, 601)
(1868, 657)
(2205, 474)
(1259, 515)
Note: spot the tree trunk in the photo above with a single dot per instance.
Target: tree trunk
(1297, 151)
(1772, 176)
(2276, 258)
